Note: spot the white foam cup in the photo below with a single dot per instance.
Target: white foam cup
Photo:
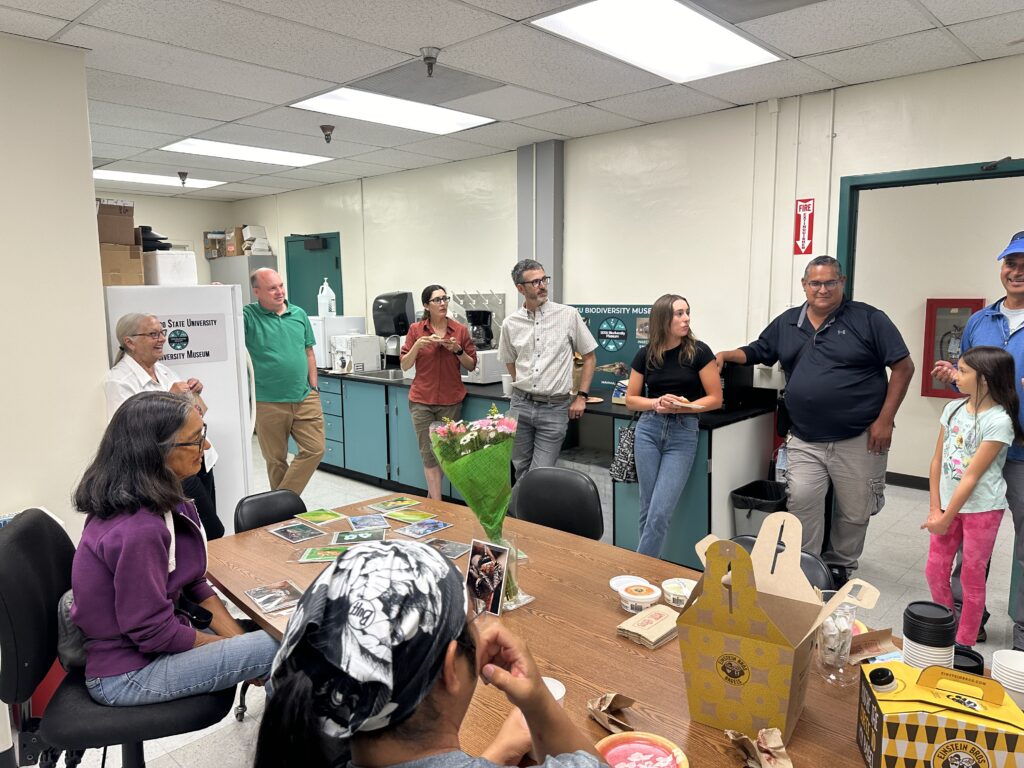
(506, 384)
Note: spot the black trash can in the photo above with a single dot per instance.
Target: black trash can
(753, 502)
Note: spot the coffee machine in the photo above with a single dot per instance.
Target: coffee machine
(393, 314)
(480, 328)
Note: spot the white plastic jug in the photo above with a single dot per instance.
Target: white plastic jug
(325, 300)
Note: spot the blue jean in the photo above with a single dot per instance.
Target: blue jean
(210, 667)
(664, 447)
(540, 433)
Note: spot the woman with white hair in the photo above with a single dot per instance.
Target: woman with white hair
(137, 368)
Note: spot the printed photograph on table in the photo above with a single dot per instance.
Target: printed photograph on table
(485, 576)
(322, 554)
(320, 516)
(368, 522)
(271, 598)
(297, 532)
(453, 550)
(423, 528)
(944, 324)
(409, 516)
(392, 505)
(351, 538)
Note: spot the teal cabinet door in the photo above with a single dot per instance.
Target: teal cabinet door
(365, 428)
(406, 462)
(690, 520)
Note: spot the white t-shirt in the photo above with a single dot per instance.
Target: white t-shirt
(1015, 317)
(963, 434)
(128, 378)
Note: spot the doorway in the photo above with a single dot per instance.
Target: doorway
(308, 260)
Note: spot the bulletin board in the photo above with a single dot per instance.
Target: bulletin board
(620, 331)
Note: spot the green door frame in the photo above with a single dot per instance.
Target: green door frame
(851, 187)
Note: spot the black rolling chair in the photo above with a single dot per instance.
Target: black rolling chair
(35, 570)
(254, 512)
(812, 565)
(560, 498)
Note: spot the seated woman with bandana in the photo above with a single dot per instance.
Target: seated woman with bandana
(378, 666)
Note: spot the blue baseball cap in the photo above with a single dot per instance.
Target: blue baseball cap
(1016, 246)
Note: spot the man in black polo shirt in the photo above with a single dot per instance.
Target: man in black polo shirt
(842, 406)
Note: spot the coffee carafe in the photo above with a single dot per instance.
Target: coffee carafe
(480, 327)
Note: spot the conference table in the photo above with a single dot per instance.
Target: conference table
(570, 629)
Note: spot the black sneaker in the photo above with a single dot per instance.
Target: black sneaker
(839, 576)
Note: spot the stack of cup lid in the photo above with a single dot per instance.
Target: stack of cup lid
(929, 635)
(968, 660)
(1008, 669)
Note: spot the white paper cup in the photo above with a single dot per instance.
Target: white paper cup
(557, 689)
(638, 597)
(506, 384)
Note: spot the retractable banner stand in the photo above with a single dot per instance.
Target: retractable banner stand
(620, 330)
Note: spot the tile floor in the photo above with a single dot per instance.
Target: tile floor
(894, 562)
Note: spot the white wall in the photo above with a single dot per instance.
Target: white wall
(936, 241)
(56, 348)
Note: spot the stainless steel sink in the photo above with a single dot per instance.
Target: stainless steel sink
(390, 375)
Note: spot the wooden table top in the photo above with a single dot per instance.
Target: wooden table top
(570, 629)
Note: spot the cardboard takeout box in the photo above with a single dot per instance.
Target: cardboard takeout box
(746, 634)
(939, 718)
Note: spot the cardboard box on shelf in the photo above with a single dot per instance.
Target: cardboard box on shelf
(252, 231)
(170, 268)
(115, 221)
(937, 717)
(235, 241)
(746, 644)
(121, 264)
(214, 245)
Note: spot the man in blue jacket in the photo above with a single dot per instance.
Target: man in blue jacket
(997, 325)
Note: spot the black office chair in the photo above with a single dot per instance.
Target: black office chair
(35, 570)
(814, 568)
(265, 508)
(561, 498)
(254, 512)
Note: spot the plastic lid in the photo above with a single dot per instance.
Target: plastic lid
(927, 612)
(968, 660)
(881, 677)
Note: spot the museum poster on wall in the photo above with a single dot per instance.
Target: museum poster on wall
(620, 331)
(945, 320)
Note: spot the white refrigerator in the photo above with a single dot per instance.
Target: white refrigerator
(206, 341)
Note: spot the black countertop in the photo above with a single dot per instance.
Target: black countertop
(711, 420)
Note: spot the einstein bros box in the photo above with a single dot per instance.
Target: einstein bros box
(936, 718)
(746, 634)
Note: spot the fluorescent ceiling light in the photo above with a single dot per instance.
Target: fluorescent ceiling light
(150, 178)
(402, 113)
(243, 152)
(661, 36)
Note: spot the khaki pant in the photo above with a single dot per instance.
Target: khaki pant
(303, 421)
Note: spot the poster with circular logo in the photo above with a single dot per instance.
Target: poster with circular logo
(177, 339)
(611, 334)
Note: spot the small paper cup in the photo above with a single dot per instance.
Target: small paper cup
(638, 597)
(677, 591)
(618, 582)
(557, 689)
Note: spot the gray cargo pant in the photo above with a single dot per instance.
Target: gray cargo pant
(858, 478)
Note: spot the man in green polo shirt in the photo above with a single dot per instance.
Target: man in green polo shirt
(280, 342)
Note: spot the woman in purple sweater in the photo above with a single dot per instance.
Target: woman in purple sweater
(142, 558)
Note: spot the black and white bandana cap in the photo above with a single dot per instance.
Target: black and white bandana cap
(375, 600)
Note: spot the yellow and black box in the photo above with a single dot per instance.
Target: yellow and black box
(938, 718)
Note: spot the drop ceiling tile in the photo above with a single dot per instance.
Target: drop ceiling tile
(955, 11)
(768, 81)
(60, 9)
(248, 189)
(735, 11)
(292, 142)
(114, 151)
(282, 184)
(117, 190)
(214, 194)
(210, 174)
(509, 102)
(403, 25)
(994, 37)
(100, 162)
(176, 159)
(398, 159)
(29, 24)
(322, 177)
(835, 24)
(531, 58)
(114, 52)
(449, 148)
(906, 55)
(579, 121)
(247, 35)
(106, 113)
(150, 94)
(521, 9)
(506, 135)
(410, 81)
(666, 103)
(129, 137)
(345, 129)
(349, 168)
